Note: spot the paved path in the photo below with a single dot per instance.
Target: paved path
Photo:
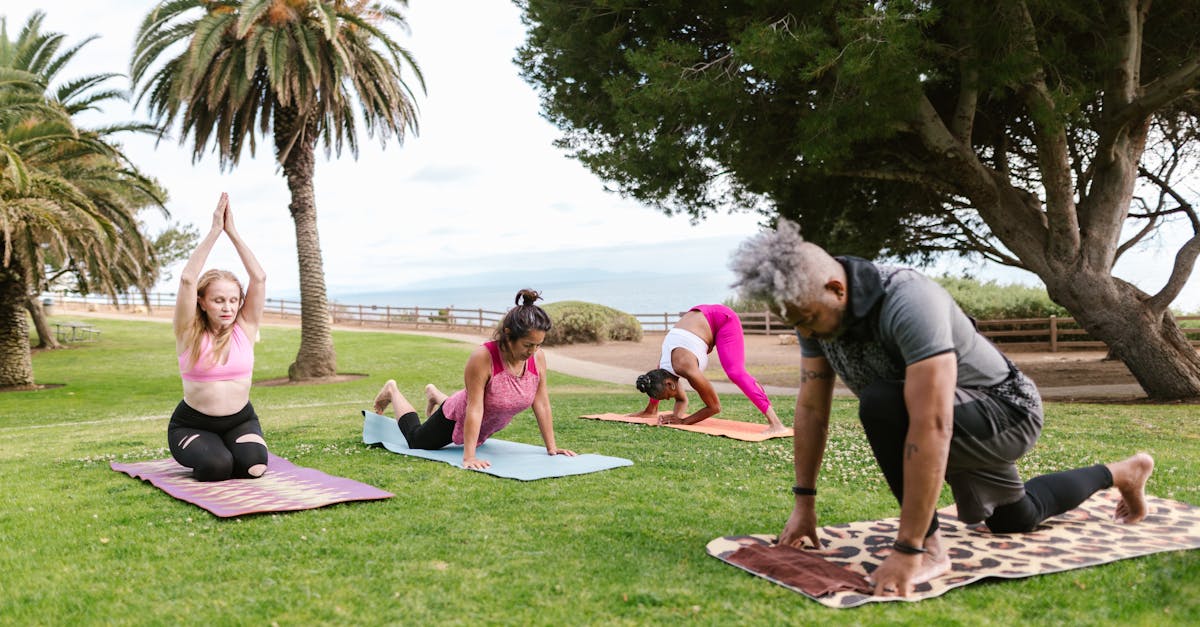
(626, 376)
(620, 375)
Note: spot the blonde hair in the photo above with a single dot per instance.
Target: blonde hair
(194, 335)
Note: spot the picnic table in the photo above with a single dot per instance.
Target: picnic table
(75, 332)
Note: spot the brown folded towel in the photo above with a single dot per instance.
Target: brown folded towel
(799, 569)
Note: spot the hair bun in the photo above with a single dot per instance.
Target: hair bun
(643, 384)
(529, 296)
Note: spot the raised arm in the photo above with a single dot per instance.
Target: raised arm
(541, 410)
(185, 299)
(476, 375)
(810, 432)
(250, 314)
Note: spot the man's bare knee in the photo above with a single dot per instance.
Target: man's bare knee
(251, 438)
(256, 470)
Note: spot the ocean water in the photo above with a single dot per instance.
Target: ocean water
(629, 293)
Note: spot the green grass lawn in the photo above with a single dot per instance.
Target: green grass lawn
(80, 543)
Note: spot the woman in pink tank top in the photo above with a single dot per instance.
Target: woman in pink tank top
(214, 430)
(503, 378)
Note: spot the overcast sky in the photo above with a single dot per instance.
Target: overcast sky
(480, 188)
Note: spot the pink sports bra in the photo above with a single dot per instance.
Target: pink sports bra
(239, 364)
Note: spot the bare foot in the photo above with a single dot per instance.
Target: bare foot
(932, 567)
(1129, 477)
(772, 430)
(384, 398)
(433, 398)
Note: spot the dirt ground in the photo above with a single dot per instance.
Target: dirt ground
(775, 360)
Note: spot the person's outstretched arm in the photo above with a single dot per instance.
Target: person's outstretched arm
(690, 370)
(651, 410)
(476, 375)
(541, 410)
(250, 314)
(810, 432)
(185, 299)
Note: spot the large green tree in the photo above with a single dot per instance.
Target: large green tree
(293, 69)
(68, 196)
(1050, 135)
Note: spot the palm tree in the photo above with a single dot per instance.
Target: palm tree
(88, 161)
(294, 68)
(47, 214)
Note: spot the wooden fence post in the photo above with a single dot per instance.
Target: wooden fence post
(1053, 333)
(767, 320)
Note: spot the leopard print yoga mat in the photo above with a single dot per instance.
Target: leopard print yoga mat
(1085, 536)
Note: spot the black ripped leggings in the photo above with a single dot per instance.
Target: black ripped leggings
(209, 444)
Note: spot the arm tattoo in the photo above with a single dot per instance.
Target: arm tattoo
(806, 375)
(910, 449)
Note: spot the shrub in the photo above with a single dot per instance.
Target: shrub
(746, 305)
(576, 322)
(992, 301)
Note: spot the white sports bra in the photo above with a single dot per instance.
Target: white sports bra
(681, 338)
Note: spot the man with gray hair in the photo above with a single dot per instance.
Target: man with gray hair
(937, 400)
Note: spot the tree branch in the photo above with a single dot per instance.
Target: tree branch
(904, 177)
(1185, 261)
(1051, 144)
(1157, 94)
(963, 123)
(1170, 191)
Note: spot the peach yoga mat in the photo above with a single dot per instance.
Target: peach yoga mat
(747, 431)
(1084, 536)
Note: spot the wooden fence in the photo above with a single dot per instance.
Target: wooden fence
(1034, 334)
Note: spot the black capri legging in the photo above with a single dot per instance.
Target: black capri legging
(216, 447)
(435, 433)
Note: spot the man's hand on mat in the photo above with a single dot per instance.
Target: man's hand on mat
(476, 464)
(800, 525)
(894, 577)
(562, 451)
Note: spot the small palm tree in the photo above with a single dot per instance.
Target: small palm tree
(291, 68)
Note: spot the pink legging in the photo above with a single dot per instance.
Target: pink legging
(731, 349)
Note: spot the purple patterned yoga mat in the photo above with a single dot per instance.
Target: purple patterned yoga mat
(285, 487)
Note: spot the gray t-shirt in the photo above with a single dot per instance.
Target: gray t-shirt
(897, 317)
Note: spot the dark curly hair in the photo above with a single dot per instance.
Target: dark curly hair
(652, 383)
(523, 318)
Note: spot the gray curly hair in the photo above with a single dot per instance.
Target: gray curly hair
(780, 267)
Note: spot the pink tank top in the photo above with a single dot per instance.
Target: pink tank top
(239, 364)
(504, 395)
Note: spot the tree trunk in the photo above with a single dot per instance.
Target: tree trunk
(46, 338)
(16, 366)
(1151, 345)
(316, 358)
(1072, 246)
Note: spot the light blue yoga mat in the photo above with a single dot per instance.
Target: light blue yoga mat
(512, 460)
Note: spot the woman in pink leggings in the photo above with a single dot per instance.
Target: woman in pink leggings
(685, 352)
